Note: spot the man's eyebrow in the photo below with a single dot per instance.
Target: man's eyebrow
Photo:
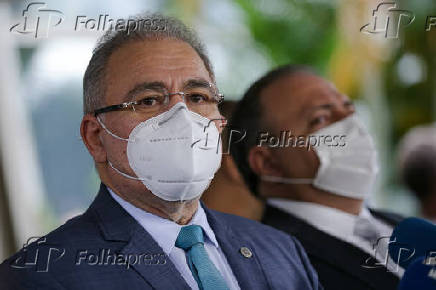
(348, 102)
(156, 86)
(198, 83)
(328, 106)
(161, 87)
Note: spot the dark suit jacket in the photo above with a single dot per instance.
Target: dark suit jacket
(339, 264)
(76, 255)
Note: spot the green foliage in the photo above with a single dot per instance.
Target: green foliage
(299, 32)
(412, 105)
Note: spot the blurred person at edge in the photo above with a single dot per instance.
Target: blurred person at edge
(417, 167)
(149, 100)
(228, 192)
(315, 193)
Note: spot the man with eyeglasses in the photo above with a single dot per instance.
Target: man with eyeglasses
(152, 125)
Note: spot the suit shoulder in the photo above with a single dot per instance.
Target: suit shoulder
(81, 227)
(389, 217)
(76, 228)
(31, 266)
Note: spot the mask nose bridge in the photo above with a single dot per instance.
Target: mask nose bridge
(174, 101)
(175, 108)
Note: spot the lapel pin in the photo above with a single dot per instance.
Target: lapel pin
(246, 252)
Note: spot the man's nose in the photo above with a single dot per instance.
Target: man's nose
(176, 98)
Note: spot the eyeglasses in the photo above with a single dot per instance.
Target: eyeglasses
(200, 100)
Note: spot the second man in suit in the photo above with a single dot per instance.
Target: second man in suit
(307, 154)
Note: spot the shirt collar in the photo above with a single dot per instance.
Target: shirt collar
(165, 231)
(328, 219)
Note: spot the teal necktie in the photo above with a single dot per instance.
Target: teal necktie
(204, 271)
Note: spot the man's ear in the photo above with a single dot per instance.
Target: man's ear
(90, 131)
(263, 162)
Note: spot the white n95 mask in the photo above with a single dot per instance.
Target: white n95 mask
(174, 154)
(347, 168)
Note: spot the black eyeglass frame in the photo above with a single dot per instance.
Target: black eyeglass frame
(219, 98)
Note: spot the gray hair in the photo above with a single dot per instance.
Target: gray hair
(151, 27)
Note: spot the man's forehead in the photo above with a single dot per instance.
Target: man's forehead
(294, 96)
(168, 61)
(164, 54)
(300, 90)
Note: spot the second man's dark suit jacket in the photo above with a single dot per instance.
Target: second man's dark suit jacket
(339, 264)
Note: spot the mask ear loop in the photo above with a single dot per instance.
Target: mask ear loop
(287, 180)
(186, 191)
(112, 134)
(124, 174)
(110, 163)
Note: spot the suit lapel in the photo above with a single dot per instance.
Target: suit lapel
(247, 271)
(350, 260)
(117, 225)
(161, 274)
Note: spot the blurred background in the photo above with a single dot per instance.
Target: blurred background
(46, 173)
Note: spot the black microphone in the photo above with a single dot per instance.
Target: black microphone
(412, 238)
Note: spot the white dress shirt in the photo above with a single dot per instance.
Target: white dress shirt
(341, 225)
(165, 233)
